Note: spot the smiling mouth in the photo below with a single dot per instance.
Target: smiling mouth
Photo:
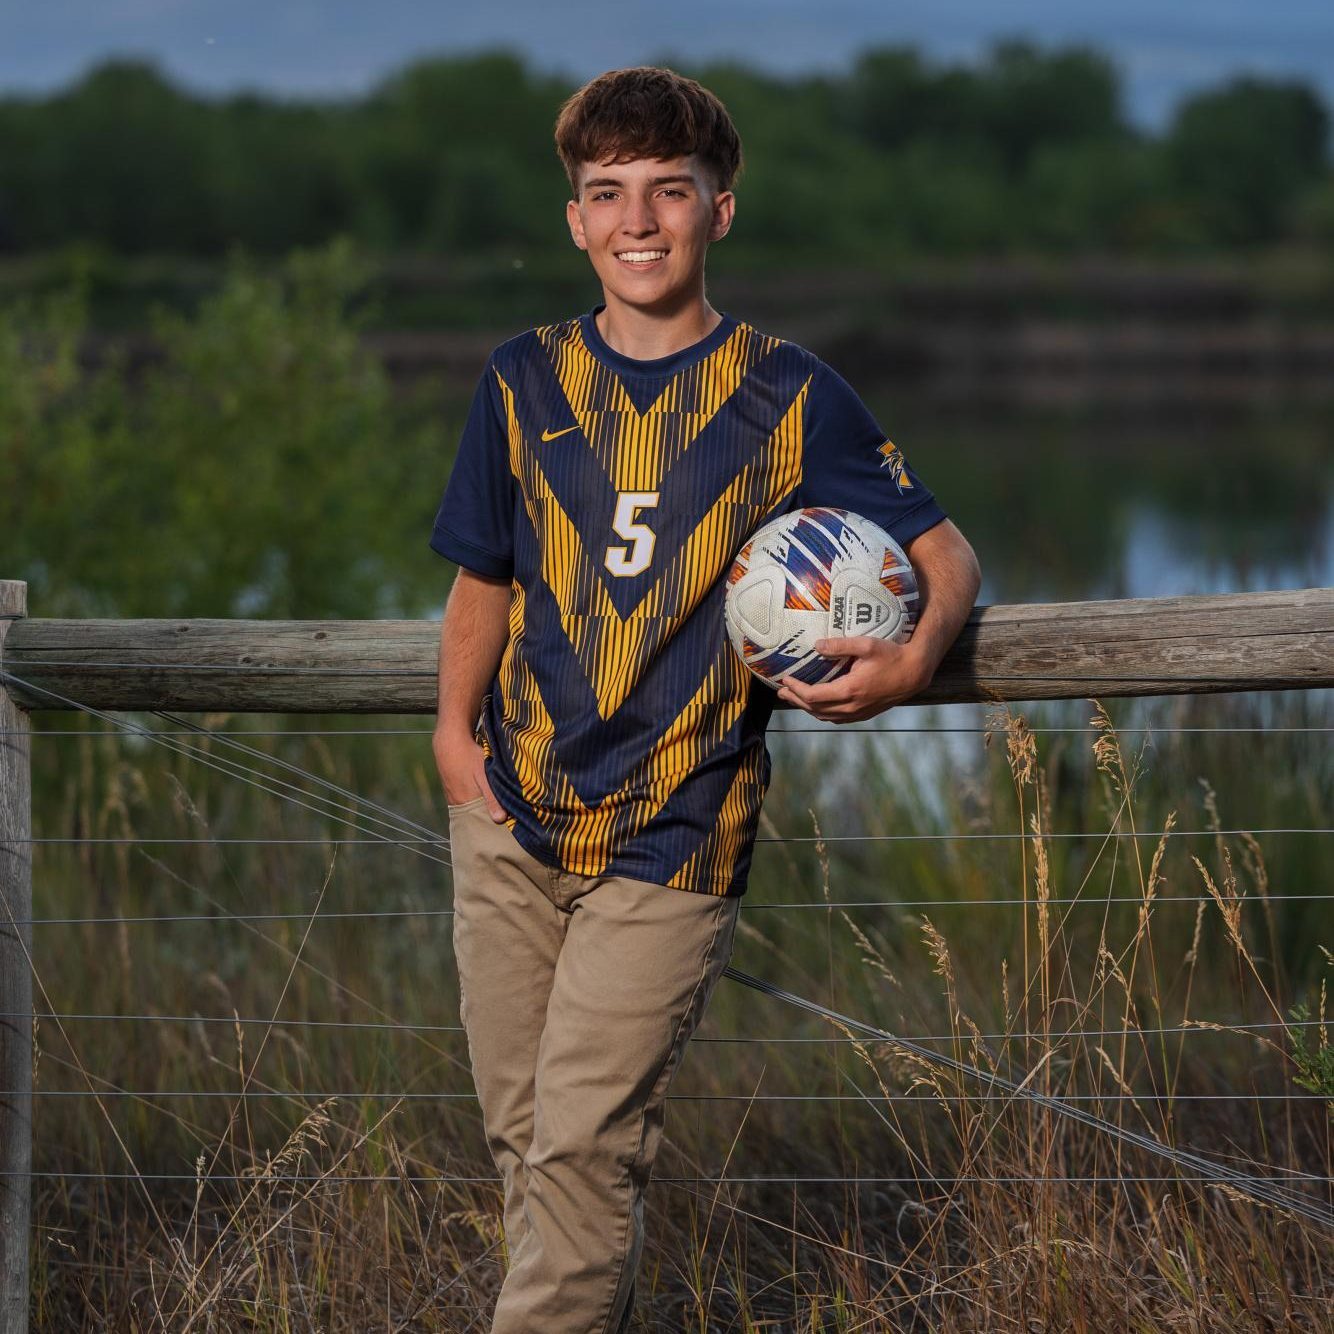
(640, 258)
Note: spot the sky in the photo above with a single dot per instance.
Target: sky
(1164, 49)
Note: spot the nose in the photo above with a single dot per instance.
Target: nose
(639, 218)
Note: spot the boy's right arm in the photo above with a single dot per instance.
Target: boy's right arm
(473, 634)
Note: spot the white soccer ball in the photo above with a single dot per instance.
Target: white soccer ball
(815, 574)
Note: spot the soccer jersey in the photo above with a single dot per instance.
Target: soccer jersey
(623, 734)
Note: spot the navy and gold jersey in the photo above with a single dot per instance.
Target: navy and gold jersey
(624, 736)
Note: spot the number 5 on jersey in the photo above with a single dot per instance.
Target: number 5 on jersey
(623, 561)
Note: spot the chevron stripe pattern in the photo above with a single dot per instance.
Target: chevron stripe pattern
(625, 735)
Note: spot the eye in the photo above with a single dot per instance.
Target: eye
(605, 194)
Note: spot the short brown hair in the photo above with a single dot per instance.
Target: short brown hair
(647, 112)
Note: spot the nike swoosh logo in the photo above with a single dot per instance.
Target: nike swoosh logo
(551, 435)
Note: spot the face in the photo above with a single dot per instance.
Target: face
(647, 225)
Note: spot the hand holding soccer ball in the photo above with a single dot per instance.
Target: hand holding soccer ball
(819, 604)
(816, 574)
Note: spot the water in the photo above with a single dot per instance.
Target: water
(1064, 509)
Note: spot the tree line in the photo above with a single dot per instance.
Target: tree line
(1026, 149)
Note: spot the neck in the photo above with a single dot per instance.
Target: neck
(646, 335)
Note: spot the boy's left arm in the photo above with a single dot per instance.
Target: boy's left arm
(884, 673)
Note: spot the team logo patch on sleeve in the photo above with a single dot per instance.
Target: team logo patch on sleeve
(891, 457)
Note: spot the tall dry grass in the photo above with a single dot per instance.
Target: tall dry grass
(926, 1204)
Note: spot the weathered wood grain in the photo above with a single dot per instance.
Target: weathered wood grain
(15, 988)
(1280, 640)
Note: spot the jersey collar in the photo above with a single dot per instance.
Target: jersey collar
(668, 365)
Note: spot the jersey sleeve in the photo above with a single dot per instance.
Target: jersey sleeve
(849, 463)
(474, 525)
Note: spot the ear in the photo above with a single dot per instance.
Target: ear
(576, 223)
(724, 209)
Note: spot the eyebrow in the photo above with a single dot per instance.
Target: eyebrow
(653, 180)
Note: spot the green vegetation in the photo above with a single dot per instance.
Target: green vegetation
(262, 467)
(1028, 149)
(1313, 1056)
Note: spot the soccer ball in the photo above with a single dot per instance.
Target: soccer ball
(812, 574)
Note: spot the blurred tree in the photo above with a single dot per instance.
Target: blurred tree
(952, 199)
(893, 98)
(1098, 196)
(1025, 148)
(961, 140)
(29, 206)
(125, 158)
(282, 174)
(1312, 218)
(458, 152)
(807, 186)
(1033, 99)
(264, 468)
(1242, 154)
(1016, 101)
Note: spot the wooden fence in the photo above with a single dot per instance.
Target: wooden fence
(1158, 646)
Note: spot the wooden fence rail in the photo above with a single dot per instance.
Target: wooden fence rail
(1063, 650)
(1071, 650)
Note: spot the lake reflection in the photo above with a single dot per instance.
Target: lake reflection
(1066, 508)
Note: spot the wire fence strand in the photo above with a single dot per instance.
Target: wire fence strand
(437, 840)
(360, 1095)
(777, 728)
(283, 1178)
(1212, 1027)
(221, 918)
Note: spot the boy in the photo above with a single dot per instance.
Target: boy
(602, 814)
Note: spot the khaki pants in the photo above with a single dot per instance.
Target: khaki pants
(578, 997)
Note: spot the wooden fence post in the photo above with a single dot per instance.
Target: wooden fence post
(15, 987)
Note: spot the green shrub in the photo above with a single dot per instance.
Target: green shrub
(261, 466)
